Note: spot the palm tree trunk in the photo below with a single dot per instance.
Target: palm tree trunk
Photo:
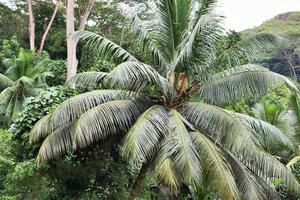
(49, 26)
(138, 182)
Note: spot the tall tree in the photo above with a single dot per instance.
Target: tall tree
(172, 122)
(71, 41)
(31, 25)
(49, 25)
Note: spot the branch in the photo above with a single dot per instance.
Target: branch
(49, 26)
(85, 15)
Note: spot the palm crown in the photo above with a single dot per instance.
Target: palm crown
(170, 120)
(23, 77)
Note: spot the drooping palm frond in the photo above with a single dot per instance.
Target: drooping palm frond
(242, 83)
(10, 103)
(72, 108)
(215, 163)
(245, 180)
(177, 161)
(267, 134)
(136, 76)
(143, 139)
(166, 172)
(179, 147)
(56, 144)
(106, 119)
(224, 128)
(5, 82)
(103, 47)
(87, 79)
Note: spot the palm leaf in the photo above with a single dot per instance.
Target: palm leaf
(214, 161)
(5, 82)
(143, 139)
(224, 128)
(240, 83)
(87, 79)
(72, 108)
(103, 47)
(109, 118)
(56, 144)
(266, 133)
(250, 46)
(136, 76)
(245, 180)
(178, 146)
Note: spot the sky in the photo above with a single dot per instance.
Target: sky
(243, 14)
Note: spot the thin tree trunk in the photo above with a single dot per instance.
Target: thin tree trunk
(49, 26)
(138, 182)
(31, 26)
(85, 15)
(71, 43)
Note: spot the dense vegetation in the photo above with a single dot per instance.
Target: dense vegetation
(164, 105)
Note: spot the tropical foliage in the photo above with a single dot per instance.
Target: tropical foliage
(169, 118)
(25, 76)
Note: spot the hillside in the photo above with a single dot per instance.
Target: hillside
(286, 25)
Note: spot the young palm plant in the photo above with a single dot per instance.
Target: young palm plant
(22, 78)
(170, 121)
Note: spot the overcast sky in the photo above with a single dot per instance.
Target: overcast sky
(243, 14)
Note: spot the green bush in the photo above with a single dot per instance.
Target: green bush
(58, 68)
(35, 108)
(27, 181)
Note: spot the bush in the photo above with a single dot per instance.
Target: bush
(35, 108)
(58, 68)
(6, 156)
(27, 181)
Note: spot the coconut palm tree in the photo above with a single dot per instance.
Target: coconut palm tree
(170, 120)
(23, 77)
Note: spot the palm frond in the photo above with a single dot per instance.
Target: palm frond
(109, 118)
(40, 129)
(294, 105)
(214, 161)
(245, 180)
(87, 79)
(103, 47)
(267, 134)
(240, 83)
(5, 82)
(224, 128)
(56, 144)
(72, 108)
(144, 30)
(136, 76)
(143, 139)
(220, 125)
(165, 170)
(178, 146)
